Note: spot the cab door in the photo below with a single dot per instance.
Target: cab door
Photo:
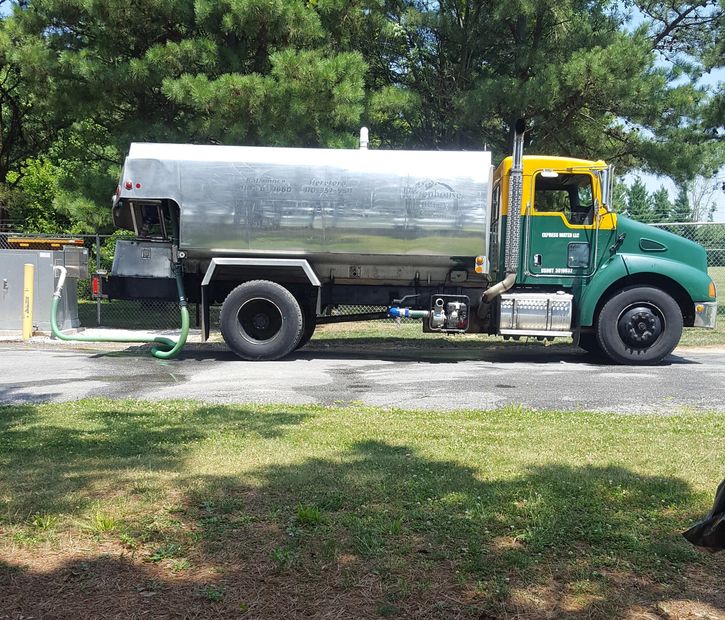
(565, 234)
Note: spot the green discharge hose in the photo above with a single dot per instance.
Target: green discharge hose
(165, 349)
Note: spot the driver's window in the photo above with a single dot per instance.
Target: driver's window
(568, 194)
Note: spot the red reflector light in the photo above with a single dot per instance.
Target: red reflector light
(95, 285)
(138, 185)
(129, 185)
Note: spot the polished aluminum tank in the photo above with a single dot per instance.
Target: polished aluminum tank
(402, 207)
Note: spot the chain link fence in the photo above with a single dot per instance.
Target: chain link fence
(159, 315)
(151, 314)
(711, 236)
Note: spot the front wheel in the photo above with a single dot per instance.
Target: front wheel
(261, 320)
(640, 325)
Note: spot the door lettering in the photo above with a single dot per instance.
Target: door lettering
(556, 270)
(560, 235)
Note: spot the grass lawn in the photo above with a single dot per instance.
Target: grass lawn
(179, 509)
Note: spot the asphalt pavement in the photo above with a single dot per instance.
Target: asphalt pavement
(553, 377)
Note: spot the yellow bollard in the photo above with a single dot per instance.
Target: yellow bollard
(28, 286)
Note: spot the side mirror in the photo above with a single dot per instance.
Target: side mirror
(606, 180)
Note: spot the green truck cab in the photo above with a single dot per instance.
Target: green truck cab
(633, 287)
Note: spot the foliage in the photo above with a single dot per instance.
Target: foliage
(681, 208)
(31, 108)
(639, 204)
(80, 80)
(661, 205)
(694, 202)
(33, 207)
(463, 71)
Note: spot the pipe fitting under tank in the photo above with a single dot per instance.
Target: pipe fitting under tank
(407, 313)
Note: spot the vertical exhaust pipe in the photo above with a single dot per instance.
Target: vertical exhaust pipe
(513, 221)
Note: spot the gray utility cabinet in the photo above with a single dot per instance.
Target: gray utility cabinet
(11, 286)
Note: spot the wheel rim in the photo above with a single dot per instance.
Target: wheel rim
(260, 320)
(640, 325)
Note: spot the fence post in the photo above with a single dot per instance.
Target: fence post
(98, 266)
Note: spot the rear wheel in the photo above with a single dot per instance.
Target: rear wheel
(639, 325)
(310, 322)
(261, 320)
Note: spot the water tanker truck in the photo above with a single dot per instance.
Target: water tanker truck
(279, 236)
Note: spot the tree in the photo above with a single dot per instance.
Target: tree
(233, 71)
(28, 124)
(701, 193)
(93, 76)
(639, 202)
(457, 73)
(32, 209)
(661, 205)
(251, 71)
(688, 34)
(229, 71)
(681, 211)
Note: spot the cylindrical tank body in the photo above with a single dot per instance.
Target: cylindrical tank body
(384, 214)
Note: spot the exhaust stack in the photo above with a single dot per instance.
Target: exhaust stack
(513, 226)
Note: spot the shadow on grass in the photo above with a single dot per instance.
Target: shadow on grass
(85, 454)
(381, 530)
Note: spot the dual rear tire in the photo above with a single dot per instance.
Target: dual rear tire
(262, 320)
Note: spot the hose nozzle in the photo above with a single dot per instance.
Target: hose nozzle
(59, 269)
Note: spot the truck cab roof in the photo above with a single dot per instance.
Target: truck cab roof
(531, 163)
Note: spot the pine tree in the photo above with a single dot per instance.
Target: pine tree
(256, 72)
(94, 76)
(639, 202)
(458, 74)
(661, 205)
(681, 211)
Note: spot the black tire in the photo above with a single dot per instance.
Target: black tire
(640, 325)
(310, 323)
(261, 320)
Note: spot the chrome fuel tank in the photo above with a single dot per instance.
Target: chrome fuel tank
(405, 207)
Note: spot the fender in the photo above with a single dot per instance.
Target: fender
(609, 273)
(685, 279)
(281, 265)
(693, 280)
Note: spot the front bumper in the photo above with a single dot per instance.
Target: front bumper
(706, 314)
